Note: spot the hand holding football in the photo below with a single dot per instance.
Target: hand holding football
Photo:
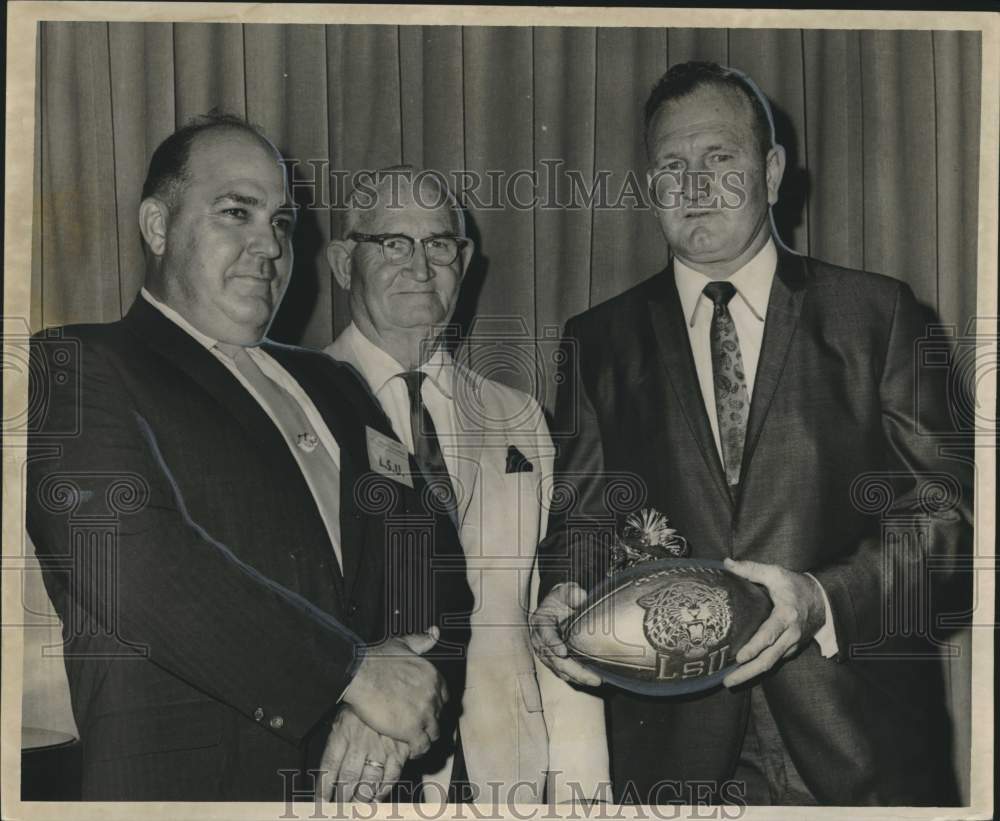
(667, 627)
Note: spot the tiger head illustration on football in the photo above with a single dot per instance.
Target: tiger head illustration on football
(686, 617)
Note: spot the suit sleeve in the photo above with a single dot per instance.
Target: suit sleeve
(186, 600)
(574, 719)
(573, 548)
(925, 480)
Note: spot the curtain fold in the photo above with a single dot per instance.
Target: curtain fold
(627, 247)
(142, 106)
(79, 276)
(899, 159)
(833, 145)
(286, 94)
(497, 67)
(209, 69)
(956, 66)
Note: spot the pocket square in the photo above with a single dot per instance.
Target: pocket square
(517, 462)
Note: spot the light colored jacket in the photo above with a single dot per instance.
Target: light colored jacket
(518, 719)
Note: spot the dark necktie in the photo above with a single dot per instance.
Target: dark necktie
(732, 401)
(426, 447)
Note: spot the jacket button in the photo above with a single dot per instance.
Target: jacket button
(258, 714)
(352, 608)
(277, 723)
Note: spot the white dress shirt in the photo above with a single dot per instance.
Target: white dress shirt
(748, 308)
(382, 372)
(278, 374)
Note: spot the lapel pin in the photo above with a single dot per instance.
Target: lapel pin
(306, 441)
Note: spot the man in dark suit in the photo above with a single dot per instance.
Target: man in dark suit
(271, 585)
(755, 397)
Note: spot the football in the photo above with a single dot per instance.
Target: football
(667, 627)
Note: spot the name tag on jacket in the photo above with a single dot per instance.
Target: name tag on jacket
(388, 457)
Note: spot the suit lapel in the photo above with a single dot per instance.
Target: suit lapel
(670, 329)
(471, 435)
(186, 353)
(191, 357)
(783, 309)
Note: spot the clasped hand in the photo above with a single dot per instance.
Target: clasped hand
(359, 762)
(389, 713)
(398, 693)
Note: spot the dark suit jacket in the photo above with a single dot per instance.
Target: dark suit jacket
(209, 629)
(832, 447)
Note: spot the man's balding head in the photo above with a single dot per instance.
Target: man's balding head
(168, 170)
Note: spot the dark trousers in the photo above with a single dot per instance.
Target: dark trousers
(765, 769)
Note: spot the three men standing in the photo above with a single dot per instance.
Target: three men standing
(294, 566)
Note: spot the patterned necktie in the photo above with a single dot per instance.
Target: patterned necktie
(318, 468)
(426, 448)
(732, 402)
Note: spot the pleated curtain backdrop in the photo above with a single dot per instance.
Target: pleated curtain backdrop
(881, 128)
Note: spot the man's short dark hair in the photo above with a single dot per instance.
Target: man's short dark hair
(683, 79)
(168, 168)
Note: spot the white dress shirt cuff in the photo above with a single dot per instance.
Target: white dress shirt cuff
(826, 636)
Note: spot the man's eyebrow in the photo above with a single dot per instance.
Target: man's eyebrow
(239, 199)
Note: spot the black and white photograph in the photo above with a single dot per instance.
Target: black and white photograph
(429, 412)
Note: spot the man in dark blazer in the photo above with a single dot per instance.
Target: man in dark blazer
(267, 577)
(760, 399)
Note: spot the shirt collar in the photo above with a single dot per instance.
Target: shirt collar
(752, 283)
(378, 367)
(179, 320)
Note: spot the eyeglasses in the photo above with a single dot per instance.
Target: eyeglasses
(398, 248)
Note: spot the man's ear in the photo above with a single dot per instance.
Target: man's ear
(338, 256)
(154, 216)
(153, 219)
(775, 171)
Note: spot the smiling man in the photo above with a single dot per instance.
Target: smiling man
(486, 449)
(237, 624)
(747, 389)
